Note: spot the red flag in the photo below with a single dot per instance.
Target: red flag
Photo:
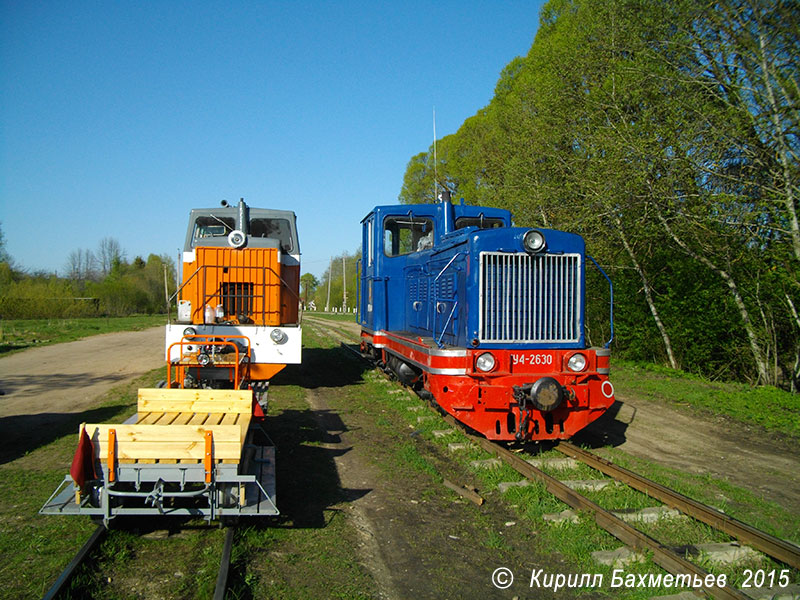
(258, 412)
(83, 462)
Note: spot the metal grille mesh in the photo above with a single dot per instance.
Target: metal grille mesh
(528, 298)
(237, 298)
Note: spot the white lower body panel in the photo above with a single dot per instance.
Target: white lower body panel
(264, 350)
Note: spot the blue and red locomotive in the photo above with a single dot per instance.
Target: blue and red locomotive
(485, 318)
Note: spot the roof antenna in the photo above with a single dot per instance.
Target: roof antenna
(435, 161)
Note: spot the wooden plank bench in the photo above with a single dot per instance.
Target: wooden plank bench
(177, 425)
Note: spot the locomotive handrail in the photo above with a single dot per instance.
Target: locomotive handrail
(207, 297)
(358, 291)
(178, 291)
(210, 340)
(611, 300)
(436, 302)
(444, 328)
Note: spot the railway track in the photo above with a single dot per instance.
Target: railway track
(61, 584)
(672, 560)
(63, 580)
(667, 558)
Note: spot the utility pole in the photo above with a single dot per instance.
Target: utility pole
(330, 276)
(344, 287)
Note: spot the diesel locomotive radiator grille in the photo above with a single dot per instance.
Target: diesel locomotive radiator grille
(528, 298)
(237, 298)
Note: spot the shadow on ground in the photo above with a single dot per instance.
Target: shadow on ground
(307, 479)
(21, 434)
(608, 430)
(323, 367)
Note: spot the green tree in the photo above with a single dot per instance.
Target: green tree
(5, 257)
(667, 135)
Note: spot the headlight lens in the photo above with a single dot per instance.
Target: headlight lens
(577, 362)
(237, 238)
(277, 336)
(533, 241)
(204, 360)
(190, 331)
(485, 362)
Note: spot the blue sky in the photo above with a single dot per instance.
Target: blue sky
(117, 118)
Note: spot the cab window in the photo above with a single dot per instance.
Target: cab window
(212, 227)
(404, 235)
(276, 229)
(479, 221)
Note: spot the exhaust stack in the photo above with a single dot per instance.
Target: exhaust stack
(449, 212)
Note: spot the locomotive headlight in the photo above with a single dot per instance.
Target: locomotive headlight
(485, 362)
(576, 362)
(278, 336)
(203, 360)
(190, 331)
(236, 238)
(533, 241)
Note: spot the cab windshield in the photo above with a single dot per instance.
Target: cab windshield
(212, 227)
(276, 229)
(479, 221)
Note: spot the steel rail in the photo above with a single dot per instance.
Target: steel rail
(81, 555)
(635, 539)
(224, 565)
(779, 549)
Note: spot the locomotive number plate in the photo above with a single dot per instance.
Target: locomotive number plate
(531, 358)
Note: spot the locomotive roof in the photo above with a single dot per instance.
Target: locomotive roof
(460, 210)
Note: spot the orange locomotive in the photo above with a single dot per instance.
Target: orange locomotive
(238, 320)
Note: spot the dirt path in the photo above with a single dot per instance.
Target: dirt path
(68, 377)
(353, 475)
(45, 389)
(703, 445)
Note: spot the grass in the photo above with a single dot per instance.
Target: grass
(350, 317)
(25, 333)
(311, 551)
(116, 569)
(408, 455)
(743, 504)
(767, 407)
(34, 548)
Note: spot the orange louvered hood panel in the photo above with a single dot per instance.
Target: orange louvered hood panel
(245, 282)
(291, 294)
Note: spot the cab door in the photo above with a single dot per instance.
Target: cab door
(368, 270)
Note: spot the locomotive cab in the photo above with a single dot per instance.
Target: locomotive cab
(485, 318)
(400, 242)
